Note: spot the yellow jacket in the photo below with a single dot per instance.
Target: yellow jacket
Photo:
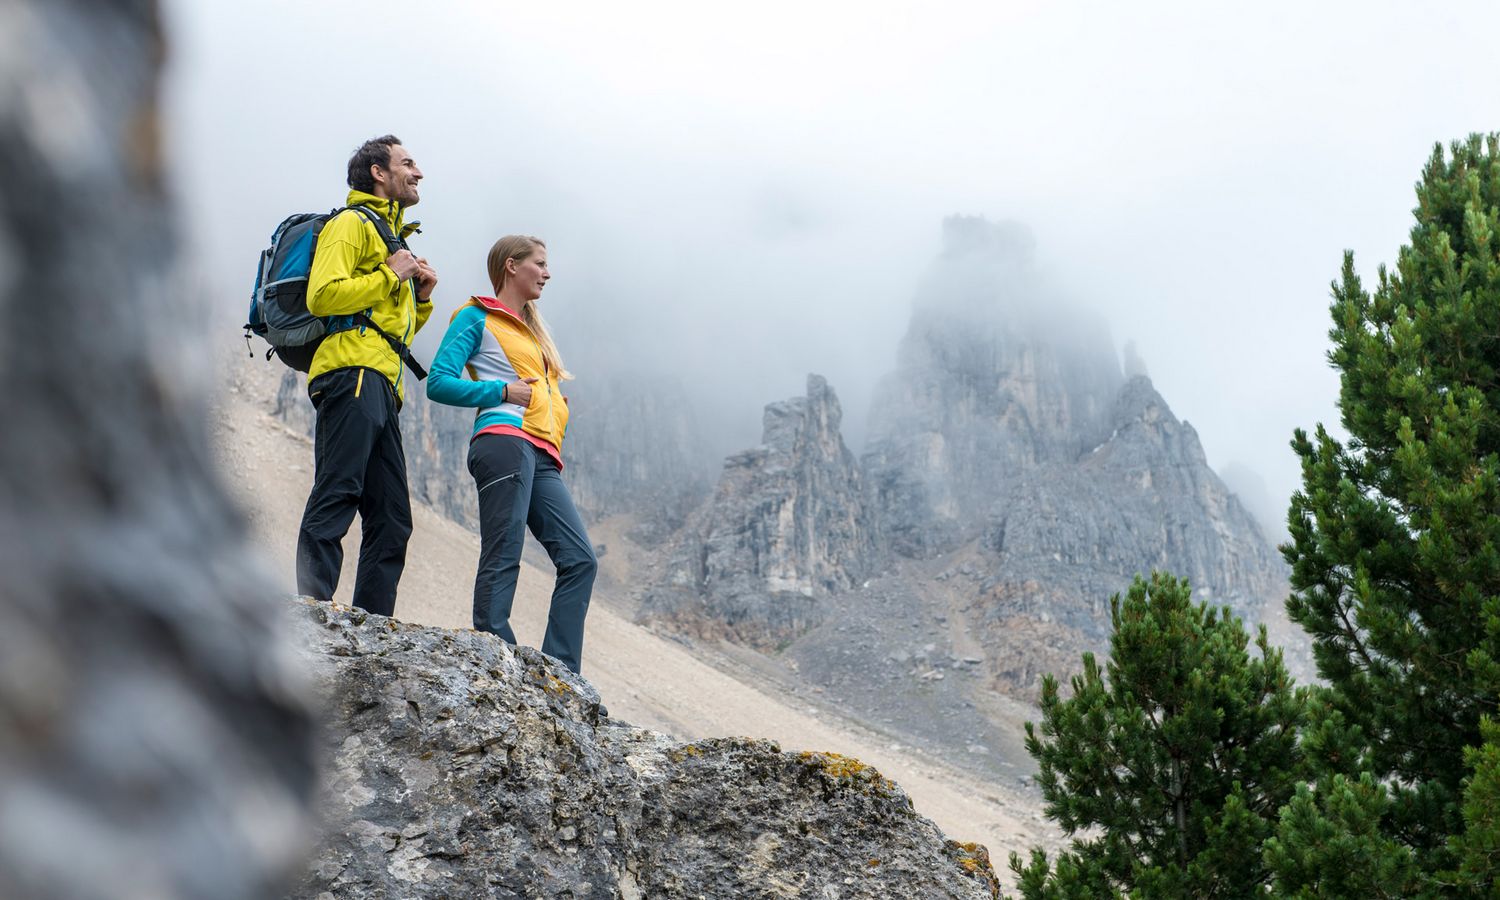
(349, 276)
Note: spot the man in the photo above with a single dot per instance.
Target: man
(357, 380)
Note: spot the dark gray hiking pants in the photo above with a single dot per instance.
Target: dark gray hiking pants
(520, 487)
(359, 466)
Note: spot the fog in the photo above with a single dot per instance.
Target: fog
(734, 198)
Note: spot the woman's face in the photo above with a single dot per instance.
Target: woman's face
(530, 274)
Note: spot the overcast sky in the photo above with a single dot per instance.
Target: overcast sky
(745, 194)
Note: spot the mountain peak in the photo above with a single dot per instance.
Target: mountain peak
(975, 236)
(1139, 401)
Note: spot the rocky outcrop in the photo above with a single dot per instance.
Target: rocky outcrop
(787, 525)
(1018, 478)
(1010, 428)
(1144, 499)
(465, 767)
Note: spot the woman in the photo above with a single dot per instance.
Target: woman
(515, 455)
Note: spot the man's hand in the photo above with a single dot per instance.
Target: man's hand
(404, 264)
(519, 392)
(426, 279)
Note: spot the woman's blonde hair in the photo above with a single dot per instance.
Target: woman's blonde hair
(518, 247)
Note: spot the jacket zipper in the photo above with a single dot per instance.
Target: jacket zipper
(546, 375)
(411, 313)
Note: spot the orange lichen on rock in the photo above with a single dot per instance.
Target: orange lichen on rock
(847, 768)
(549, 682)
(974, 859)
(678, 754)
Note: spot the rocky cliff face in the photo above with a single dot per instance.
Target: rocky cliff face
(464, 767)
(1066, 539)
(635, 448)
(995, 378)
(1144, 499)
(1010, 425)
(787, 526)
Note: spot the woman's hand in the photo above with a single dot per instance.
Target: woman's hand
(519, 392)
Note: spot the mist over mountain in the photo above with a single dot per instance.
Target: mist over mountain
(996, 375)
(1253, 491)
(1015, 479)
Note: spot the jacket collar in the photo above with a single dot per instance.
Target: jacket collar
(493, 305)
(390, 210)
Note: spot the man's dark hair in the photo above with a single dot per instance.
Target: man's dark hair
(374, 152)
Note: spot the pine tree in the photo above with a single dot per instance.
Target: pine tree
(1395, 552)
(1479, 845)
(1168, 767)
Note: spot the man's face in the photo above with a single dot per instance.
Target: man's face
(398, 181)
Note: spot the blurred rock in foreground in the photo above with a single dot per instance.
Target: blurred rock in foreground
(154, 741)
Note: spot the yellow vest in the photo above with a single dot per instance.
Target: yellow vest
(547, 414)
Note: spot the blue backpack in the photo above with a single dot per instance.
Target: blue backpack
(278, 304)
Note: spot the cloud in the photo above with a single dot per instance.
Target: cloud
(738, 196)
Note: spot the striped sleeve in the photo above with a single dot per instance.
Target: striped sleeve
(445, 381)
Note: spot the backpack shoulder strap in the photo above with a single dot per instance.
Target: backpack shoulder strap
(383, 228)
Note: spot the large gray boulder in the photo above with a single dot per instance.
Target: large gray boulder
(465, 767)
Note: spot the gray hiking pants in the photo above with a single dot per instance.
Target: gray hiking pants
(520, 487)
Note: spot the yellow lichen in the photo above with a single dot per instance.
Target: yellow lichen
(549, 682)
(679, 754)
(974, 859)
(846, 768)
